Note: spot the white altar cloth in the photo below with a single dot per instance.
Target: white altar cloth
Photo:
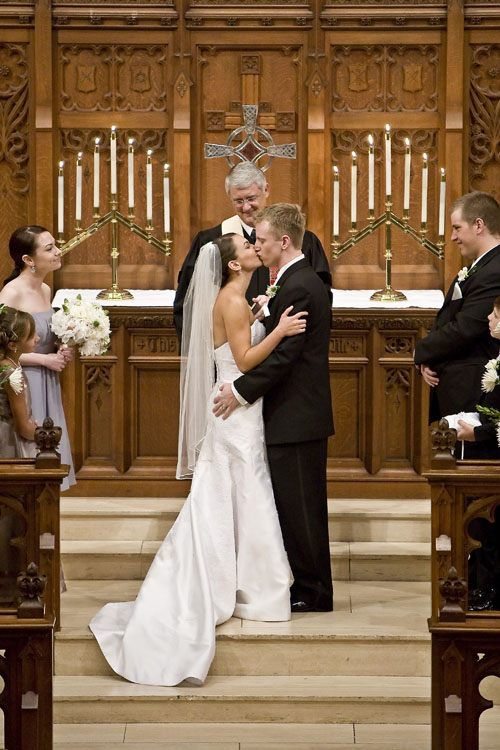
(342, 298)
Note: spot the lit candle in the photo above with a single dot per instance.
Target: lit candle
(354, 187)
(425, 182)
(388, 190)
(78, 207)
(336, 201)
(60, 199)
(166, 199)
(406, 195)
(96, 175)
(149, 188)
(442, 202)
(371, 175)
(113, 159)
(131, 175)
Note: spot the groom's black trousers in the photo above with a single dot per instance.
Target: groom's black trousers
(298, 474)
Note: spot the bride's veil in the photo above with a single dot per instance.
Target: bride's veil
(197, 357)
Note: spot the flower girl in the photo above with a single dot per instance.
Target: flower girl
(17, 428)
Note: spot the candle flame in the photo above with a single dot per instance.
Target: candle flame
(130, 141)
(353, 154)
(335, 170)
(113, 128)
(149, 152)
(425, 158)
(97, 141)
(388, 129)
(166, 167)
(80, 154)
(370, 139)
(442, 172)
(61, 164)
(407, 141)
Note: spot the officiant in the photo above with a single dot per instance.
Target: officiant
(247, 189)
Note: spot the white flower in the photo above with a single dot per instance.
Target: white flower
(16, 380)
(490, 377)
(271, 290)
(463, 273)
(84, 324)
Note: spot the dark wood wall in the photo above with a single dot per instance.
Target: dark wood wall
(173, 75)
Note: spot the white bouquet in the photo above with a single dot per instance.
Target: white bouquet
(83, 324)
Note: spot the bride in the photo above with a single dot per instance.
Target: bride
(224, 556)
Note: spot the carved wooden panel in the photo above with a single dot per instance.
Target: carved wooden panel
(385, 78)
(156, 445)
(14, 140)
(227, 78)
(484, 154)
(99, 412)
(397, 411)
(112, 78)
(347, 389)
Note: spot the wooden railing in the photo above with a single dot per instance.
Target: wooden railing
(30, 570)
(465, 644)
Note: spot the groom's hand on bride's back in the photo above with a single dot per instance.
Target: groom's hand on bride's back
(225, 402)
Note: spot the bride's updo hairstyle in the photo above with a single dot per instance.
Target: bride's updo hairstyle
(15, 325)
(227, 251)
(23, 242)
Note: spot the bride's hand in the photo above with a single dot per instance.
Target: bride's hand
(291, 325)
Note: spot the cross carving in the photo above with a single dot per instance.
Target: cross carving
(250, 149)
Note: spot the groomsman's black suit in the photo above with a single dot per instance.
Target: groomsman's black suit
(312, 249)
(459, 343)
(294, 381)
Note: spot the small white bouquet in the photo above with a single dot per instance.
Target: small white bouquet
(83, 324)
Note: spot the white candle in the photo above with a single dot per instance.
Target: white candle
(130, 174)
(166, 199)
(149, 189)
(336, 201)
(425, 182)
(78, 207)
(96, 173)
(354, 187)
(442, 202)
(113, 159)
(60, 199)
(371, 175)
(388, 190)
(406, 194)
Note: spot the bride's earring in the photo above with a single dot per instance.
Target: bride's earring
(33, 268)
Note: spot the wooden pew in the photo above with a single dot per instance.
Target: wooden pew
(465, 644)
(30, 557)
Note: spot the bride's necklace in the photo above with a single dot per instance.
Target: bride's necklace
(16, 364)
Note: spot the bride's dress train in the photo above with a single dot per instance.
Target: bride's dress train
(224, 556)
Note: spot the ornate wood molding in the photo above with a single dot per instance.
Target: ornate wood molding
(211, 14)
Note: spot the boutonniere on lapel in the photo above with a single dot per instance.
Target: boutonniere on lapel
(493, 415)
(465, 272)
(272, 291)
(490, 377)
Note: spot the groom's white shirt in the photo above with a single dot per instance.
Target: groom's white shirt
(282, 270)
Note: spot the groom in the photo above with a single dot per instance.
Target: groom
(294, 381)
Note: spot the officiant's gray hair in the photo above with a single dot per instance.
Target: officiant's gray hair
(245, 174)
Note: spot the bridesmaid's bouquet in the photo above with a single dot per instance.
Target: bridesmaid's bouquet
(83, 324)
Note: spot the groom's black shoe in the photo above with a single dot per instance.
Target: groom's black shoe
(301, 606)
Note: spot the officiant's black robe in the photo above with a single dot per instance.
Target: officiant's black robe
(459, 343)
(311, 247)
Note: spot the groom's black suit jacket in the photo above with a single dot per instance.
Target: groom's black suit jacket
(294, 379)
(459, 343)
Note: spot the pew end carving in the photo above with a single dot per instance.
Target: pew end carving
(465, 643)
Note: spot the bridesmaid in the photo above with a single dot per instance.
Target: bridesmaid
(35, 254)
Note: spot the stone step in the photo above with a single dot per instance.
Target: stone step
(355, 561)
(149, 519)
(297, 699)
(376, 629)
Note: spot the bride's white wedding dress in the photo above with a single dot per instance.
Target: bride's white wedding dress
(224, 556)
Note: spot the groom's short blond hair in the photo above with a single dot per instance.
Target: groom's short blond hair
(284, 218)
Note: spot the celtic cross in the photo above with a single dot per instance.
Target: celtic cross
(250, 149)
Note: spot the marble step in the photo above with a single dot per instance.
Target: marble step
(297, 699)
(376, 629)
(149, 519)
(355, 561)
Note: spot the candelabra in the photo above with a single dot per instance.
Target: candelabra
(388, 217)
(114, 216)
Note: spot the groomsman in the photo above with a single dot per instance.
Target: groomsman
(248, 191)
(295, 383)
(452, 356)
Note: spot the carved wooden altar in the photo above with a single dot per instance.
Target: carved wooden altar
(125, 441)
